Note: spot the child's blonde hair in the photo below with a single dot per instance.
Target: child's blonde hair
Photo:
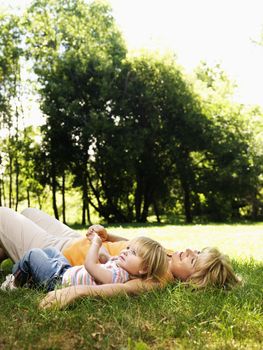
(213, 269)
(153, 256)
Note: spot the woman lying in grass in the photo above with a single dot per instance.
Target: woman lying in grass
(208, 268)
(35, 229)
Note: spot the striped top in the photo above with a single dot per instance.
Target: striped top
(78, 275)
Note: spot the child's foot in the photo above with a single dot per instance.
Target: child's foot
(9, 283)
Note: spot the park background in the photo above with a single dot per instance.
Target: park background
(94, 128)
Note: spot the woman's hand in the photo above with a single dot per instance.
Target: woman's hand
(58, 298)
(99, 230)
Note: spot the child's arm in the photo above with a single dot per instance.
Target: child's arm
(94, 230)
(114, 238)
(92, 264)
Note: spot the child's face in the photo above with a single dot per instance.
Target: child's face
(131, 262)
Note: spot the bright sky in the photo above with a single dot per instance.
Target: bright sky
(216, 31)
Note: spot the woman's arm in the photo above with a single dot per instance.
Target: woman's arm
(62, 297)
(113, 238)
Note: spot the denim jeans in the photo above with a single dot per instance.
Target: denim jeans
(42, 267)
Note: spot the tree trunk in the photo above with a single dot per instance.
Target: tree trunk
(54, 190)
(10, 180)
(3, 192)
(148, 200)
(99, 206)
(39, 201)
(28, 197)
(63, 198)
(146, 205)
(88, 213)
(138, 199)
(17, 183)
(16, 155)
(187, 203)
(156, 211)
(84, 197)
(186, 177)
(83, 220)
(144, 214)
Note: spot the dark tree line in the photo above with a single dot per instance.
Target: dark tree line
(133, 133)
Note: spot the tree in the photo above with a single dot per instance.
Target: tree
(77, 50)
(10, 53)
(153, 123)
(226, 175)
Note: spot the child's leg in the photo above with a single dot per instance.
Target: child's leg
(40, 266)
(49, 223)
(53, 253)
(18, 234)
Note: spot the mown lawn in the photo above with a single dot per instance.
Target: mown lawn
(173, 318)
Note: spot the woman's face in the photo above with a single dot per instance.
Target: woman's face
(182, 264)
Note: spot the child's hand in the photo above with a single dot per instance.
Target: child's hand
(97, 240)
(103, 257)
(99, 230)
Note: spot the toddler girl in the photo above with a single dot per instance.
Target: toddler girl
(48, 268)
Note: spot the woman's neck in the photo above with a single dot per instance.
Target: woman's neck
(170, 276)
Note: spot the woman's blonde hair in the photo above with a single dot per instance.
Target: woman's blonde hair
(213, 269)
(153, 256)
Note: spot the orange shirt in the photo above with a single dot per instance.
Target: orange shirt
(76, 252)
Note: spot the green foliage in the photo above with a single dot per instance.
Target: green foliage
(10, 52)
(133, 135)
(76, 63)
(155, 119)
(10, 93)
(230, 178)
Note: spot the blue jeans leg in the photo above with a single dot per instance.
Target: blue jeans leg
(43, 267)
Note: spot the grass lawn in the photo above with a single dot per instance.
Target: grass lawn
(173, 318)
